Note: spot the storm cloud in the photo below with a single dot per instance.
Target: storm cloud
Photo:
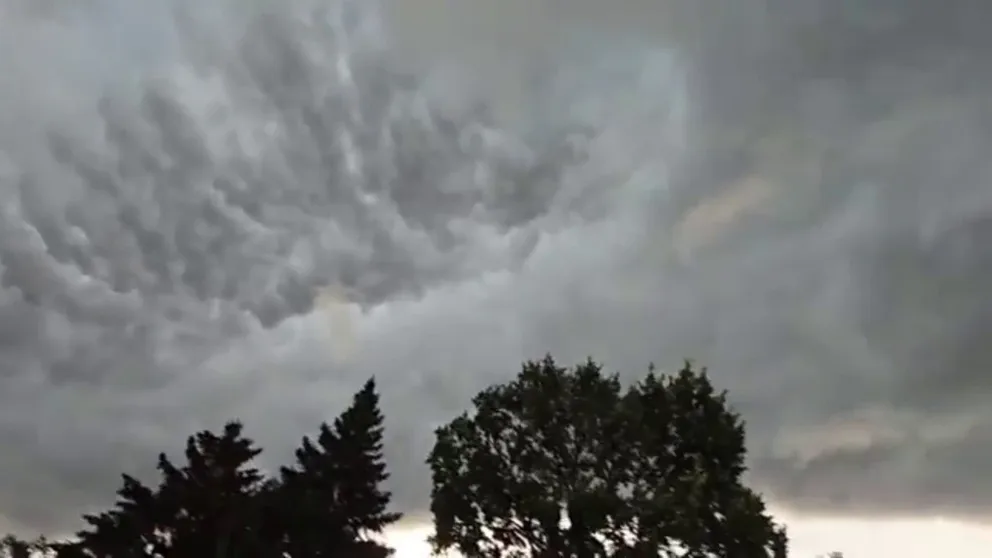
(247, 209)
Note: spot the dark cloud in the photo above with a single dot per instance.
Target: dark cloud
(793, 193)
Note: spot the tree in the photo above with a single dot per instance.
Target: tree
(566, 463)
(215, 501)
(335, 503)
(210, 506)
(13, 547)
(218, 505)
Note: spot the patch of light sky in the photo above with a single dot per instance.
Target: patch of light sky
(812, 537)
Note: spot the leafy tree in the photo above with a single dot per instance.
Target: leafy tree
(566, 463)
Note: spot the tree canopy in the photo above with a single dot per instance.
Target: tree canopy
(216, 504)
(566, 462)
(556, 463)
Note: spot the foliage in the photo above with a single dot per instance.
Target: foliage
(556, 463)
(13, 547)
(565, 462)
(216, 504)
(336, 482)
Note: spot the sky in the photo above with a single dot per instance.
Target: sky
(222, 209)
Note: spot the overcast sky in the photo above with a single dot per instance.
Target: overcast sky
(247, 210)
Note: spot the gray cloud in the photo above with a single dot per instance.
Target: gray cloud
(795, 197)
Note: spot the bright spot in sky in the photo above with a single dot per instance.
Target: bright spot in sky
(409, 542)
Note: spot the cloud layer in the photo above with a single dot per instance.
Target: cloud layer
(248, 210)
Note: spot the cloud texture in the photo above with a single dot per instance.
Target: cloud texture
(248, 209)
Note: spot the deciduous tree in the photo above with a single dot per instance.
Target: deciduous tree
(567, 463)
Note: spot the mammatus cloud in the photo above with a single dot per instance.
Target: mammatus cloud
(275, 201)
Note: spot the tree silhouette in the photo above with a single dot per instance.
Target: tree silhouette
(333, 490)
(556, 463)
(565, 463)
(209, 506)
(216, 504)
(213, 502)
(13, 547)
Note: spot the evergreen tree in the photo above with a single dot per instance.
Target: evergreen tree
(13, 547)
(217, 505)
(334, 495)
(215, 500)
(211, 506)
(131, 529)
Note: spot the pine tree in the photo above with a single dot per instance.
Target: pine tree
(131, 529)
(334, 487)
(213, 502)
(359, 433)
(217, 505)
(208, 507)
(13, 547)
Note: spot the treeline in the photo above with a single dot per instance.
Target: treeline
(558, 462)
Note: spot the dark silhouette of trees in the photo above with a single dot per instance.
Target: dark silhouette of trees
(218, 505)
(566, 463)
(13, 547)
(557, 463)
(335, 482)
(209, 506)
